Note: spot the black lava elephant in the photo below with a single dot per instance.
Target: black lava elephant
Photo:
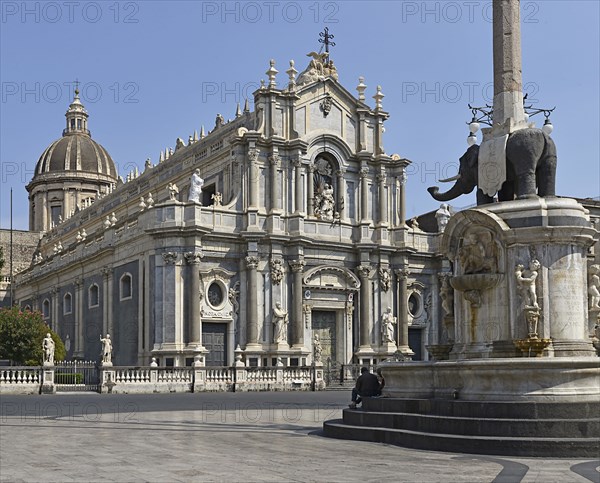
(530, 169)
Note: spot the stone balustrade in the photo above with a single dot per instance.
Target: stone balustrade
(140, 380)
(20, 380)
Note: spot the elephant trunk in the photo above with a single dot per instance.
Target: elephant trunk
(452, 193)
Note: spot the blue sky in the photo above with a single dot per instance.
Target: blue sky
(152, 71)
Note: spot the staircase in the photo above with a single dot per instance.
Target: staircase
(496, 428)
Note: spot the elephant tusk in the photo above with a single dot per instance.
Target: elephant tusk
(454, 178)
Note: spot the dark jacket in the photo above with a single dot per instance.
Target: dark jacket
(367, 384)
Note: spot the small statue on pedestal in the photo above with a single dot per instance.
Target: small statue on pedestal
(387, 326)
(106, 350)
(49, 346)
(280, 321)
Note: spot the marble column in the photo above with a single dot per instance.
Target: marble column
(403, 346)
(253, 177)
(341, 188)
(311, 189)
(402, 211)
(297, 267)
(55, 291)
(66, 203)
(364, 272)
(195, 329)
(298, 192)
(364, 194)
(45, 217)
(252, 301)
(275, 162)
(79, 301)
(107, 318)
(383, 208)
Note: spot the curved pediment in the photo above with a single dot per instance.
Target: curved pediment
(331, 278)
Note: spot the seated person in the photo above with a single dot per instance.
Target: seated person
(367, 385)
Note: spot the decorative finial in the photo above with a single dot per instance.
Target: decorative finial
(76, 82)
(238, 111)
(291, 72)
(378, 98)
(361, 87)
(202, 135)
(246, 106)
(272, 72)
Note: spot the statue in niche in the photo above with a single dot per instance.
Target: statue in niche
(387, 326)
(49, 346)
(324, 202)
(280, 322)
(594, 287)
(478, 253)
(106, 349)
(196, 187)
(526, 283)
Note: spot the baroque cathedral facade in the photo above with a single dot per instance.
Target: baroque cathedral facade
(297, 243)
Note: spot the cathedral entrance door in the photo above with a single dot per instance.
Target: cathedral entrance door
(214, 339)
(323, 325)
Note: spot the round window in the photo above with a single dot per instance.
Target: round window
(414, 304)
(215, 294)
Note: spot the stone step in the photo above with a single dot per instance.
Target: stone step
(495, 445)
(485, 409)
(466, 426)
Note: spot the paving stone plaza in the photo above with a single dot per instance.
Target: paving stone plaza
(273, 436)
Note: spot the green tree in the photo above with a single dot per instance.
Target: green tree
(22, 334)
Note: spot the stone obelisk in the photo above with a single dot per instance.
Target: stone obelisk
(508, 114)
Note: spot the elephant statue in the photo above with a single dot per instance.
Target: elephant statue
(530, 169)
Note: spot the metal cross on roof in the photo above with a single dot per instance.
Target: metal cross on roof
(326, 39)
(76, 82)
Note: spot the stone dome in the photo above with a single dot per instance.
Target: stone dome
(71, 173)
(76, 152)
